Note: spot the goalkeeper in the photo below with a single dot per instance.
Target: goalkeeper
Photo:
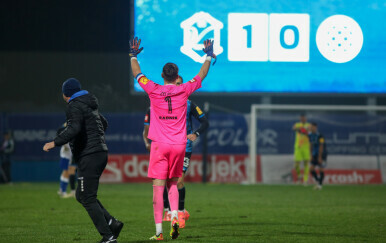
(167, 131)
(302, 148)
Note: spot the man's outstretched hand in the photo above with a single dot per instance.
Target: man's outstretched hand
(208, 49)
(48, 146)
(134, 47)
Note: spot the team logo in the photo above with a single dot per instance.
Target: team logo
(144, 80)
(339, 38)
(196, 28)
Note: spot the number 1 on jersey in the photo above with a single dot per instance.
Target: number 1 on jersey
(169, 100)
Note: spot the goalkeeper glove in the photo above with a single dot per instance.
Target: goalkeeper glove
(303, 131)
(208, 49)
(134, 47)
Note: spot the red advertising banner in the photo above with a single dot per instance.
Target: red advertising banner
(221, 169)
(336, 176)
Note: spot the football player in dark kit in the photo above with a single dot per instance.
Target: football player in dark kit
(319, 155)
(85, 132)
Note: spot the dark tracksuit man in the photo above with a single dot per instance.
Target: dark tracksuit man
(85, 133)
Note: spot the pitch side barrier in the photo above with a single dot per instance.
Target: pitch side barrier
(227, 147)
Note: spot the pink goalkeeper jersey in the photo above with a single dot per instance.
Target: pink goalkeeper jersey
(168, 104)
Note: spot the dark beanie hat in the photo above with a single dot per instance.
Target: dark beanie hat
(70, 87)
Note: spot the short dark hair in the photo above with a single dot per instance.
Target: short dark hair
(314, 124)
(170, 72)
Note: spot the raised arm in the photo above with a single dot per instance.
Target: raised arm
(208, 49)
(135, 67)
(205, 68)
(134, 51)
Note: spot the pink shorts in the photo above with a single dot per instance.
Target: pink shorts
(166, 160)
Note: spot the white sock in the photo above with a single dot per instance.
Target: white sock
(158, 228)
(175, 214)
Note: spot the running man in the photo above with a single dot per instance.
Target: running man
(167, 130)
(319, 155)
(85, 131)
(302, 148)
(196, 112)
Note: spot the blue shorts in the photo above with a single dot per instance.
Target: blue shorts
(64, 163)
(315, 162)
(186, 161)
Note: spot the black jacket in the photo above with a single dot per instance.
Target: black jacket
(85, 129)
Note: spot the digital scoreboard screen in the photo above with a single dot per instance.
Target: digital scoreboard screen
(267, 45)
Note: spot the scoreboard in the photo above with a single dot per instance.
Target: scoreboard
(268, 46)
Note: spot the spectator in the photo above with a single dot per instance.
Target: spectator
(6, 149)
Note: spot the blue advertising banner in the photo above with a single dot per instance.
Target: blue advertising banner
(227, 134)
(268, 45)
(31, 131)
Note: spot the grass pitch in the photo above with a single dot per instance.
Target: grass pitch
(219, 213)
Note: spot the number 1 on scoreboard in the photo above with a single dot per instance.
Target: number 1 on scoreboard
(247, 37)
(248, 28)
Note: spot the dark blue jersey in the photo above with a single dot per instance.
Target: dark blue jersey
(316, 140)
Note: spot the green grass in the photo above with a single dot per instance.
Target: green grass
(219, 213)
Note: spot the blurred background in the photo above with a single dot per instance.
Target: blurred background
(42, 43)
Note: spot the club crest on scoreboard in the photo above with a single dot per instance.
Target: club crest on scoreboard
(198, 28)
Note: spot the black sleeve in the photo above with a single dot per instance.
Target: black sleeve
(200, 116)
(60, 130)
(104, 122)
(74, 125)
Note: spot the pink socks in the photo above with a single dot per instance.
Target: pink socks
(173, 196)
(158, 203)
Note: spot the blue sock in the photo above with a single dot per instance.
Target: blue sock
(63, 184)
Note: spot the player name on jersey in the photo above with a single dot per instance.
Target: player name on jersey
(168, 117)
